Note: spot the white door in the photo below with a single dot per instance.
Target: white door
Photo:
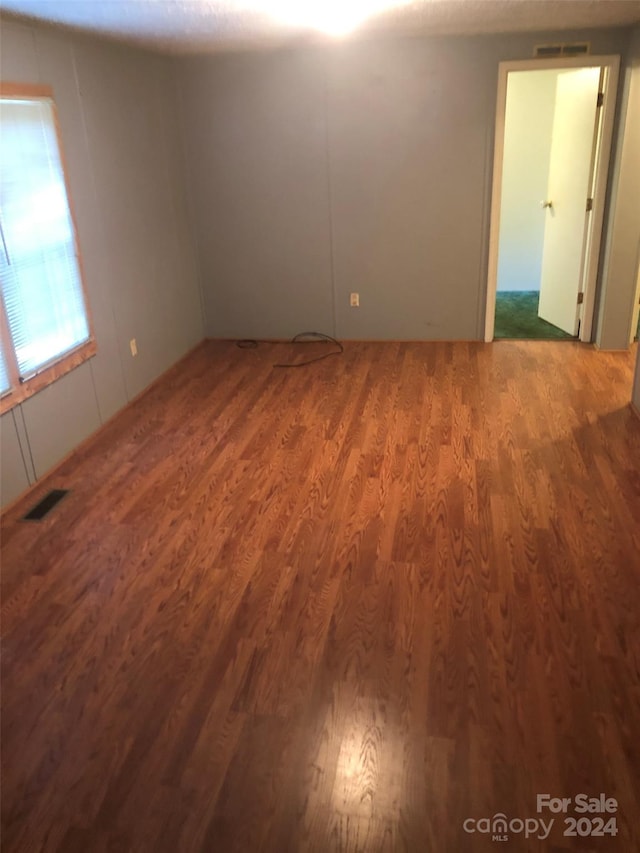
(635, 317)
(572, 151)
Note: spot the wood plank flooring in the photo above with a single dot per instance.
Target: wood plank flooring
(342, 608)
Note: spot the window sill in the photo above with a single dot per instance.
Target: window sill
(49, 375)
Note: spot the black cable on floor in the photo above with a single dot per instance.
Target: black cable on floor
(301, 337)
(310, 337)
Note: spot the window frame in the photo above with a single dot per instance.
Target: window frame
(22, 390)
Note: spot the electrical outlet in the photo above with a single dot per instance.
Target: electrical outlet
(133, 346)
(355, 300)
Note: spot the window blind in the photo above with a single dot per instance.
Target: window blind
(5, 385)
(41, 282)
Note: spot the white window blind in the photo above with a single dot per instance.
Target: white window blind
(41, 282)
(5, 385)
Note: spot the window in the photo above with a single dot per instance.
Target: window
(44, 320)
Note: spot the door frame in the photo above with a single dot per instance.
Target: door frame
(635, 313)
(611, 68)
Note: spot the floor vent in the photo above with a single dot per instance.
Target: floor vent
(45, 505)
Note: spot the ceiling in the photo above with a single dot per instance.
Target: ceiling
(190, 26)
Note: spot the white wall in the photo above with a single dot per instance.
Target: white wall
(117, 112)
(531, 97)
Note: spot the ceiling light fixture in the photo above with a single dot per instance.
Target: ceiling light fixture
(332, 17)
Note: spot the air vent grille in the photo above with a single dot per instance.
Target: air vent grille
(544, 51)
(45, 506)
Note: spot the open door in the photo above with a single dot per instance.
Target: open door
(573, 148)
(635, 318)
(598, 146)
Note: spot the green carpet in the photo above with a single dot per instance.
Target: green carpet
(517, 317)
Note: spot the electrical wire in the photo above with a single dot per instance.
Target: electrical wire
(314, 336)
(301, 337)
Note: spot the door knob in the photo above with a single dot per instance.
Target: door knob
(546, 204)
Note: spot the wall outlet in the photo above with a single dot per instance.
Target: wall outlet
(133, 346)
(355, 300)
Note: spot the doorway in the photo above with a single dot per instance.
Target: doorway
(554, 124)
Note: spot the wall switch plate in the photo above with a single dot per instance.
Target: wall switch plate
(355, 300)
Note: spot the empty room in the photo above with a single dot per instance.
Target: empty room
(320, 426)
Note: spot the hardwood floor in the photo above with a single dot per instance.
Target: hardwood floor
(342, 608)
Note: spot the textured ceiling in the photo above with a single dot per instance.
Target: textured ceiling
(184, 26)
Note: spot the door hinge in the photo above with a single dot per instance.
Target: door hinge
(589, 204)
(580, 298)
(600, 100)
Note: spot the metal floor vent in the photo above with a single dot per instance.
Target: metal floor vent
(45, 506)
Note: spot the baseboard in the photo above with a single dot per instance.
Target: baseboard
(597, 347)
(354, 340)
